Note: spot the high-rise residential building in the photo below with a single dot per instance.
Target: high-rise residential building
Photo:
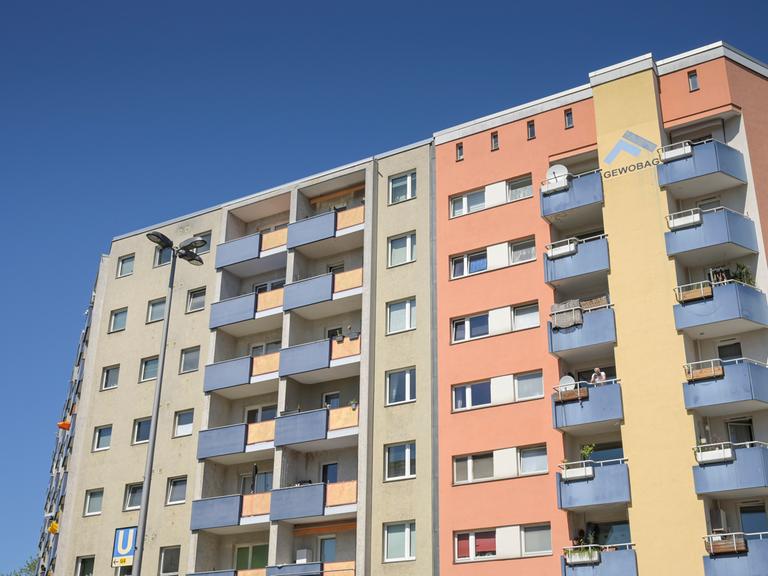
(534, 343)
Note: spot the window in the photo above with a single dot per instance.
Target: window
(401, 461)
(196, 300)
(401, 386)
(132, 496)
(532, 460)
(124, 571)
(251, 557)
(177, 490)
(190, 360)
(536, 540)
(531, 128)
(93, 500)
(148, 369)
(162, 256)
(329, 473)
(693, 81)
(494, 141)
(472, 395)
(118, 319)
(269, 347)
(327, 545)
(155, 310)
(525, 317)
(401, 316)
(109, 377)
(470, 328)
(459, 152)
(332, 399)
(141, 428)
(183, 423)
(207, 246)
(467, 203)
(529, 386)
(402, 249)
(125, 266)
(519, 188)
(263, 483)
(474, 545)
(169, 561)
(85, 566)
(473, 468)
(400, 541)
(402, 188)
(524, 251)
(255, 414)
(468, 264)
(568, 117)
(102, 437)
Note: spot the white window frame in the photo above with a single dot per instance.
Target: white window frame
(515, 243)
(320, 546)
(410, 387)
(472, 557)
(530, 305)
(135, 430)
(494, 140)
(183, 353)
(470, 404)
(467, 320)
(127, 496)
(471, 469)
(465, 203)
(169, 489)
(693, 75)
(530, 129)
(325, 395)
(459, 151)
(568, 118)
(176, 423)
(96, 430)
(522, 541)
(121, 261)
(525, 181)
(410, 304)
(207, 248)
(79, 564)
(410, 241)
(409, 554)
(112, 315)
(410, 192)
(190, 294)
(516, 378)
(150, 306)
(465, 258)
(88, 494)
(520, 460)
(156, 258)
(260, 409)
(104, 372)
(409, 474)
(143, 367)
(163, 550)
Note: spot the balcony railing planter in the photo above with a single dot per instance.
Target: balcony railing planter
(581, 555)
(581, 470)
(731, 543)
(676, 151)
(718, 452)
(693, 292)
(704, 370)
(684, 219)
(571, 392)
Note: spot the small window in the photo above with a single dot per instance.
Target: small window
(132, 496)
(470, 328)
(533, 460)
(102, 438)
(85, 566)
(125, 265)
(332, 400)
(177, 490)
(401, 316)
(519, 189)
(183, 420)
(494, 141)
(190, 360)
(141, 428)
(568, 117)
(402, 188)
(473, 468)
(459, 152)
(528, 386)
(537, 540)
(531, 128)
(472, 395)
(207, 246)
(93, 500)
(401, 461)
(196, 300)
(467, 203)
(118, 319)
(524, 251)
(525, 317)
(169, 561)
(162, 256)
(155, 310)
(469, 264)
(474, 545)
(693, 81)
(402, 249)
(401, 386)
(109, 377)
(148, 369)
(400, 541)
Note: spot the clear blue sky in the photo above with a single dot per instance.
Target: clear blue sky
(117, 115)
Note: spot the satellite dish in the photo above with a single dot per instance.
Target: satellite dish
(557, 175)
(567, 382)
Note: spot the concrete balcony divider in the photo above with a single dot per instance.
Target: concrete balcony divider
(307, 292)
(217, 512)
(693, 169)
(751, 558)
(232, 310)
(587, 405)
(312, 229)
(744, 307)
(743, 467)
(297, 502)
(238, 250)
(582, 191)
(619, 560)
(588, 257)
(607, 483)
(227, 374)
(740, 384)
(301, 427)
(221, 441)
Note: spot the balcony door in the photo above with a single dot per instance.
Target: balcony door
(327, 547)
(753, 520)
(729, 350)
(250, 557)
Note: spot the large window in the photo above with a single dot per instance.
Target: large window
(401, 461)
(473, 468)
(190, 359)
(148, 370)
(125, 266)
(402, 249)
(524, 251)
(183, 423)
(169, 561)
(519, 188)
(532, 460)
(155, 310)
(118, 320)
(102, 437)
(132, 496)
(467, 203)
(470, 328)
(177, 490)
(401, 386)
(402, 188)
(196, 300)
(109, 377)
(93, 500)
(537, 540)
(400, 541)
(472, 395)
(141, 428)
(525, 317)
(528, 386)
(401, 315)
(468, 264)
(474, 545)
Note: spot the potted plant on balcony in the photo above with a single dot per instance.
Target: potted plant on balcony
(584, 550)
(743, 275)
(584, 470)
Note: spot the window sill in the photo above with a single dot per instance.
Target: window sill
(395, 561)
(401, 201)
(101, 449)
(193, 311)
(387, 405)
(175, 503)
(116, 331)
(91, 515)
(181, 372)
(400, 332)
(399, 479)
(456, 342)
(390, 266)
(107, 389)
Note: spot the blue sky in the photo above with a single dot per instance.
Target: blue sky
(117, 115)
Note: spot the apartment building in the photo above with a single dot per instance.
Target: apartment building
(535, 343)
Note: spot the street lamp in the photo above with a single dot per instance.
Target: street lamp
(186, 251)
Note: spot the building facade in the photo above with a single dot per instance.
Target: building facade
(534, 343)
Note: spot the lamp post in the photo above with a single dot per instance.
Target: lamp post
(186, 251)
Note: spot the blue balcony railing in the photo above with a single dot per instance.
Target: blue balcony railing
(297, 502)
(583, 404)
(232, 310)
(307, 292)
(217, 512)
(589, 483)
(312, 229)
(736, 554)
(597, 327)
(573, 192)
(703, 304)
(696, 232)
(732, 385)
(692, 169)
(613, 560)
(731, 467)
(238, 251)
(572, 258)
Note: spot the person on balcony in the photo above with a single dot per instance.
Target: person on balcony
(598, 376)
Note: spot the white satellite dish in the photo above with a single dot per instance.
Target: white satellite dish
(567, 382)
(557, 175)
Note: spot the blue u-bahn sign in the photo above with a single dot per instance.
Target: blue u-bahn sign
(125, 545)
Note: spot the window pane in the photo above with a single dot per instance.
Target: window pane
(412, 177)
(536, 539)
(395, 541)
(460, 397)
(478, 326)
(461, 471)
(412, 462)
(142, 430)
(412, 384)
(184, 422)
(134, 496)
(457, 206)
(396, 387)
(94, 500)
(533, 460)
(397, 316)
(526, 317)
(481, 393)
(178, 490)
(86, 567)
(412, 319)
(396, 461)
(523, 251)
(170, 563)
(482, 466)
(207, 247)
(118, 320)
(476, 201)
(196, 300)
(156, 310)
(412, 547)
(126, 266)
(458, 267)
(190, 359)
(328, 550)
(242, 559)
(103, 437)
(459, 330)
(111, 376)
(529, 385)
(268, 413)
(399, 189)
(398, 251)
(149, 369)
(462, 546)
(519, 189)
(485, 544)
(477, 262)
(263, 482)
(163, 256)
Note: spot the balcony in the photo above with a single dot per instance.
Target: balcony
(328, 233)
(322, 360)
(688, 169)
(726, 387)
(327, 295)
(314, 502)
(727, 470)
(248, 313)
(573, 201)
(712, 310)
(313, 569)
(237, 443)
(594, 560)
(231, 514)
(736, 554)
(323, 429)
(242, 377)
(586, 484)
(584, 408)
(573, 264)
(586, 335)
(253, 254)
(699, 237)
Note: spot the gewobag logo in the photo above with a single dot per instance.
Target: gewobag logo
(633, 145)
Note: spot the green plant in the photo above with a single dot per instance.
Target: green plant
(586, 451)
(744, 275)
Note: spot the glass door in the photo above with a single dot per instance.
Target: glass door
(753, 520)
